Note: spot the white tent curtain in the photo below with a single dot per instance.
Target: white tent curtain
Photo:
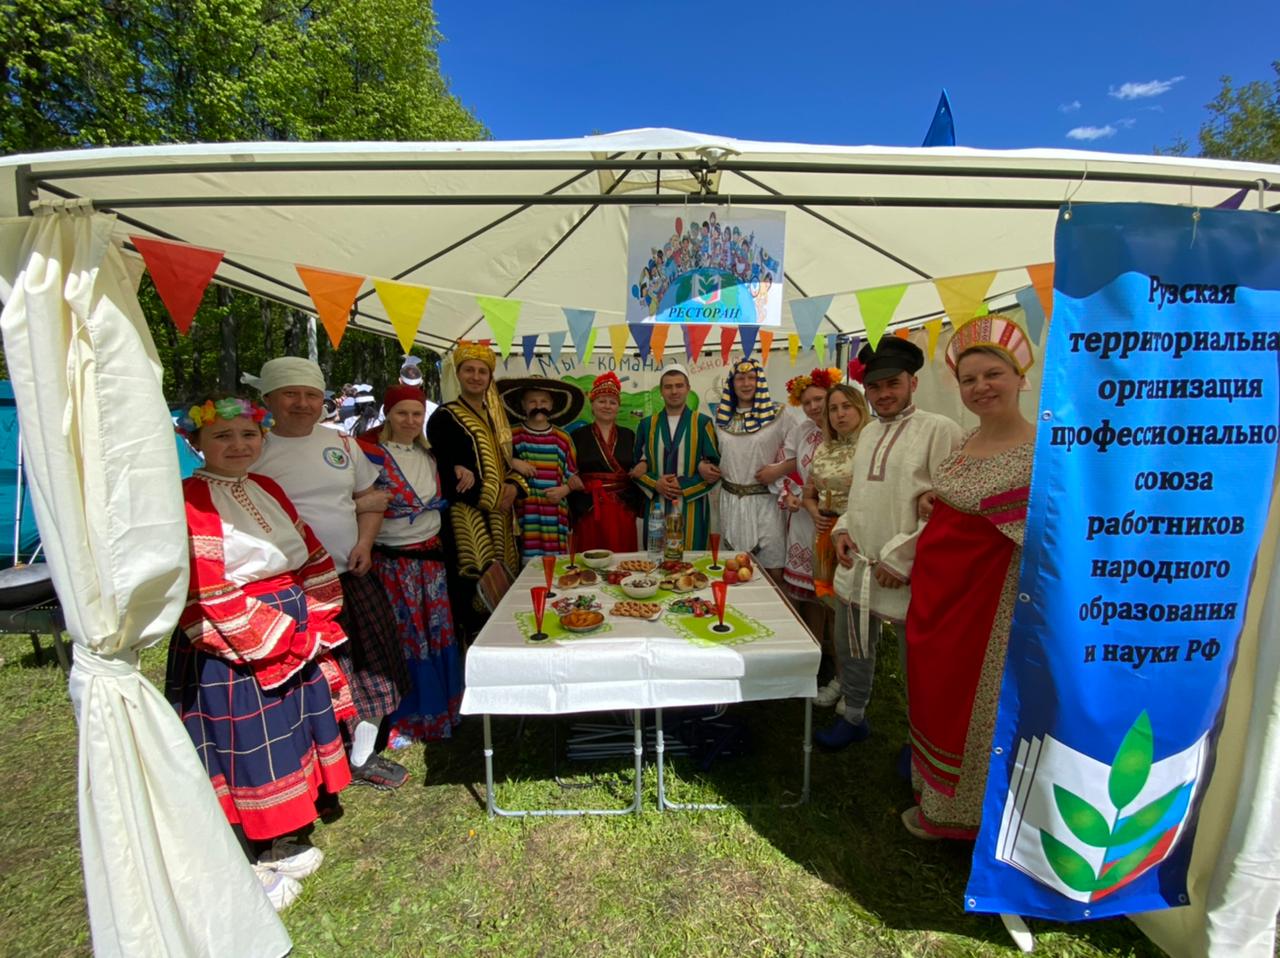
(164, 875)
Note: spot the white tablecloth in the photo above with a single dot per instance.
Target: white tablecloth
(638, 664)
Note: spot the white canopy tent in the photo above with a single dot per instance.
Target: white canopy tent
(544, 222)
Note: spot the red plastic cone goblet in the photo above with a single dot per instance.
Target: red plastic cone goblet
(549, 568)
(720, 592)
(715, 552)
(539, 595)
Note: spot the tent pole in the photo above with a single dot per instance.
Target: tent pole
(17, 506)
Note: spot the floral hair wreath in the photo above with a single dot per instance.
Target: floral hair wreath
(822, 378)
(231, 407)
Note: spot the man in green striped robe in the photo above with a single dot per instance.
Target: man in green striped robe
(676, 449)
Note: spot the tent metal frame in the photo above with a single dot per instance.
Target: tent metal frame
(706, 167)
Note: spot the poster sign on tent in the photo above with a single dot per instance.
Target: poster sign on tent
(1154, 462)
(705, 264)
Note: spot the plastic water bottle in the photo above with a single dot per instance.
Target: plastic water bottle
(656, 531)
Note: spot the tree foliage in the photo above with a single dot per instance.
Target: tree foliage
(84, 73)
(1245, 121)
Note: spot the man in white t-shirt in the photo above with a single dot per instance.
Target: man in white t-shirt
(324, 473)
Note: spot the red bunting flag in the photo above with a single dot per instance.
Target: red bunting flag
(181, 273)
(334, 294)
(694, 337)
(727, 335)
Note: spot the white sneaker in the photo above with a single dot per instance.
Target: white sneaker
(282, 891)
(840, 706)
(828, 694)
(291, 858)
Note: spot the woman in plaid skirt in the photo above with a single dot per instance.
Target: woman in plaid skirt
(250, 670)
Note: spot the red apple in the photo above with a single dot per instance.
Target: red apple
(744, 573)
(730, 565)
(743, 558)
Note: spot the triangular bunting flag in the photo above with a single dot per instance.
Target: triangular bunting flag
(580, 321)
(982, 310)
(962, 295)
(404, 304)
(1030, 304)
(501, 315)
(793, 346)
(694, 338)
(807, 315)
(877, 307)
(618, 340)
(181, 273)
(766, 344)
(727, 335)
(747, 336)
(555, 342)
(855, 347)
(334, 294)
(590, 346)
(529, 343)
(1042, 282)
(902, 333)
(642, 333)
(934, 329)
(658, 342)
(833, 345)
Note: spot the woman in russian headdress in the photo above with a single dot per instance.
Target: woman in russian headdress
(605, 452)
(250, 668)
(958, 624)
(471, 439)
(750, 431)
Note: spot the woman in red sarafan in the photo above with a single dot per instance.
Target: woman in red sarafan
(605, 516)
(250, 669)
(958, 623)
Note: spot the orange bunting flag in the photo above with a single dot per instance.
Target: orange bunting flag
(962, 295)
(934, 329)
(766, 344)
(902, 333)
(695, 336)
(727, 335)
(618, 340)
(1042, 282)
(405, 304)
(181, 273)
(793, 346)
(658, 342)
(334, 294)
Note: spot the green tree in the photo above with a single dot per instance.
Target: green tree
(82, 73)
(1244, 122)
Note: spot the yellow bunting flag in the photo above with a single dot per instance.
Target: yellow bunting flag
(962, 295)
(766, 344)
(934, 329)
(405, 305)
(1042, 282)
(618, 340)
(658, 342)
(501, 315)
(793, 346)
(334, 294)
(877, 307)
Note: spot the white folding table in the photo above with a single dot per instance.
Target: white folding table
(634, 665)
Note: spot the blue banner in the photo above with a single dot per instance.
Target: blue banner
(1155, 455)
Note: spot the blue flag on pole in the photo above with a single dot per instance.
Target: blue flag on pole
(942, 131)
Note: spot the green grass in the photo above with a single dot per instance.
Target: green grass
(423, 871)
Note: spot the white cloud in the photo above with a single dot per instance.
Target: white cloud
(1091, 132)
(1140, 91)
(1126, 123)
(1069, 107)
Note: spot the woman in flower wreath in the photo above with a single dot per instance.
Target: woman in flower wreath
(958, 625)
(250, 669)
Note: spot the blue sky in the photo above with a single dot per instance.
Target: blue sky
(1125, 76)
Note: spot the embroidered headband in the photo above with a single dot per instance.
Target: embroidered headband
(466, 350)
(231, 407)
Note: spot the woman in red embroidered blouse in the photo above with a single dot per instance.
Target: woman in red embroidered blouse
(605, 515)
(250, 670)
